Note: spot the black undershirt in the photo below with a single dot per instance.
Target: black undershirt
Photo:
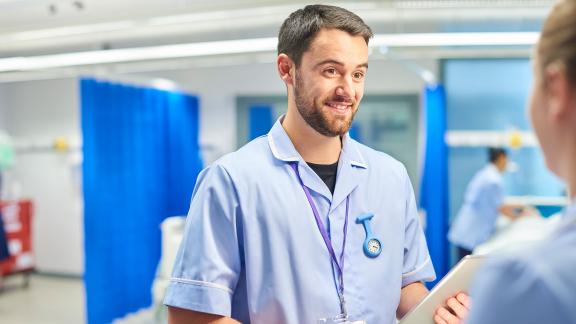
(326, 172)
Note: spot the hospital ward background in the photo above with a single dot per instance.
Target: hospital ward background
(109, 110)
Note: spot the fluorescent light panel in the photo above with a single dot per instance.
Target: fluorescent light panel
(456, 39)
(253, 46)
(70, 31)
(245, 13)
(138, 54)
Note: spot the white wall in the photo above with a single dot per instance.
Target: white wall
(2, 108)
(42, 111)
(48, 109)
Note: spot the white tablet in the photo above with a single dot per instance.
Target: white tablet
(457, 280)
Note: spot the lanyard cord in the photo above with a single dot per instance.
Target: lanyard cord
(326, 237)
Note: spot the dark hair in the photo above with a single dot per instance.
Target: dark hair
(557, 42)
(494, 153)
(300, 28)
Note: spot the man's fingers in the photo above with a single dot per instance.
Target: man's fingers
(464, 299)
(457, 307)
(448, 317)
(455, 311)
(439, 320)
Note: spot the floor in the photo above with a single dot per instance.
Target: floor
(55, 300)
(47, 300)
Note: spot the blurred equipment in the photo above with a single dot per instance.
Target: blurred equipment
(515, 139)
(61, 144)
(17, 217)
(516, 235)
(6, 151)
(172, 232)
(6, 161)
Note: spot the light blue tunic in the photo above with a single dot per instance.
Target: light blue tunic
(538, 286)
(476, 219)
(252, 249)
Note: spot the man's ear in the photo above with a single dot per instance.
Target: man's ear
(285, 68)
(558, 91)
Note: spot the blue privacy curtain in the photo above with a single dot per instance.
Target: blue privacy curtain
(141, 160)
(434, 186)
(260, 119)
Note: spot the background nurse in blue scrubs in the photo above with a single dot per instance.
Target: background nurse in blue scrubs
(483, 203)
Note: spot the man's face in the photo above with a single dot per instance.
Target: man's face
(502, 162)
(329, 83)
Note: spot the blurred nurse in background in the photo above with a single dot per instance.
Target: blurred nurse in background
(539, 286)
(483, 203)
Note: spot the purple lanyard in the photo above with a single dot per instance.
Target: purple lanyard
(326, 237)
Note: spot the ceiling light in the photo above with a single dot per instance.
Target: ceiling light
(138, 54)
(455, 39)
(70, 31)
(253, 46)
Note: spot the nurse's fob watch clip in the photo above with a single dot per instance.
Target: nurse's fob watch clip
(372, 246)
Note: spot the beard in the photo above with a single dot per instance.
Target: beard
(320, 118)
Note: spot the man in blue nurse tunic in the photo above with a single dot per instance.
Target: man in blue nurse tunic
(304, 224)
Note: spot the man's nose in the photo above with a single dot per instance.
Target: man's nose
(345, 88)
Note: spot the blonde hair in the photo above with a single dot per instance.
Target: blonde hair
(558, 39)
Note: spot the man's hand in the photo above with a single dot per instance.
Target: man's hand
(185, 316)
(455, 311)
(514, 212)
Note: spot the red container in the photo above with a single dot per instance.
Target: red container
(17, 217)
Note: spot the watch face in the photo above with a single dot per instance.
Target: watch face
(373, 246)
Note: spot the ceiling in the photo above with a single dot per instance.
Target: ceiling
(30, 28)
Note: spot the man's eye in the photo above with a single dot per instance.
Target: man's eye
(358, 75)
(330, 71)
